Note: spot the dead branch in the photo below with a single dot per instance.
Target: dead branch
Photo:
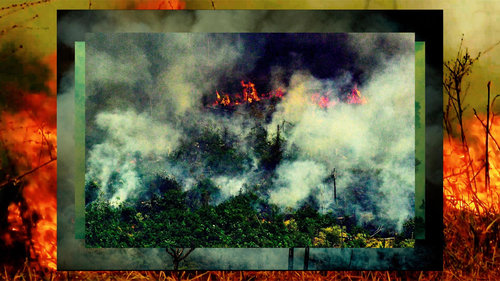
(487, 162)
(16, 180)
(458, 69)
(178, 255)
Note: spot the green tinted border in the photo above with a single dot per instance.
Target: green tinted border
(419, 140)
(427, 254)
(80, 140)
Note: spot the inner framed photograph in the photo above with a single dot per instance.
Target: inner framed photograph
(250, 140)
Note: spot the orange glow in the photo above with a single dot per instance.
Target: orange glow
(225, 100)
(160, 5)
(355, 97)
(322, 101)
(29, 136)
(17, 230)
(249, 92)
(51, 62)
(248, 95)
(251, 95)
(464, 177)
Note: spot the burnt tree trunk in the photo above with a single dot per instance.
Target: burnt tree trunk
(306, 259)
(290, 259)
(178, 255)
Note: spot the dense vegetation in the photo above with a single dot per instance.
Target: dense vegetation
(185, 219)
(164, 214)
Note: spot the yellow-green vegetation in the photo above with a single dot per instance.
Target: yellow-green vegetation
(179, 218)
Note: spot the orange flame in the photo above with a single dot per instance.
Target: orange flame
(30, 138)
(464, 176)
(17, 231)
(355, 97)
(249, 92)
(322, 101)
(161, 5)
(226, 100)
(250, 95)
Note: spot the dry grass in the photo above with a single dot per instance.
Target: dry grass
(471, 253)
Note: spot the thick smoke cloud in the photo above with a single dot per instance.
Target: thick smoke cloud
(173, 79)
(295, 181)
(378, 136)
(128, 134)
(72, 253)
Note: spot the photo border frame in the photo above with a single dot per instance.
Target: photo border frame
(427, 254)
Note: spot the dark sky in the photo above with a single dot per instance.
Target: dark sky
(325, 56)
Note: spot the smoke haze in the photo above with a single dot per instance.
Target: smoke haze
(149, 94)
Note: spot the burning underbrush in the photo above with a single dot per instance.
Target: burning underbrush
(471, 201)
(28, 149)
(465, 169)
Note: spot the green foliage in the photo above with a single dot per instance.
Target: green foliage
(202, 194)
(164, 184)
(166, 216)
(214, 151)
(409, 228)
(91, 191)
(269, 153)
(166, 221)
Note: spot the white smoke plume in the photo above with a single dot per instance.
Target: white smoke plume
(168, 90)
(127, 133)
(376, 136)
(295, 181)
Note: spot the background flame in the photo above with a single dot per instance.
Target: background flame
(30, 137)
(18, 132)
(464, 179)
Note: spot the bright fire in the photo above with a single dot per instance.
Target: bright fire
(464, 184)
(322, 101)
(29, 136)
(249, 95)
(160, 5)
(356, 97)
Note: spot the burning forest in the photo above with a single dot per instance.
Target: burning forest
(250, 140)
(28, 140)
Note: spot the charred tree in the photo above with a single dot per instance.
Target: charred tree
(487, 163)
(306, 259)
(333, 179)
(276, 151)
(178, 255)
(458, 69)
